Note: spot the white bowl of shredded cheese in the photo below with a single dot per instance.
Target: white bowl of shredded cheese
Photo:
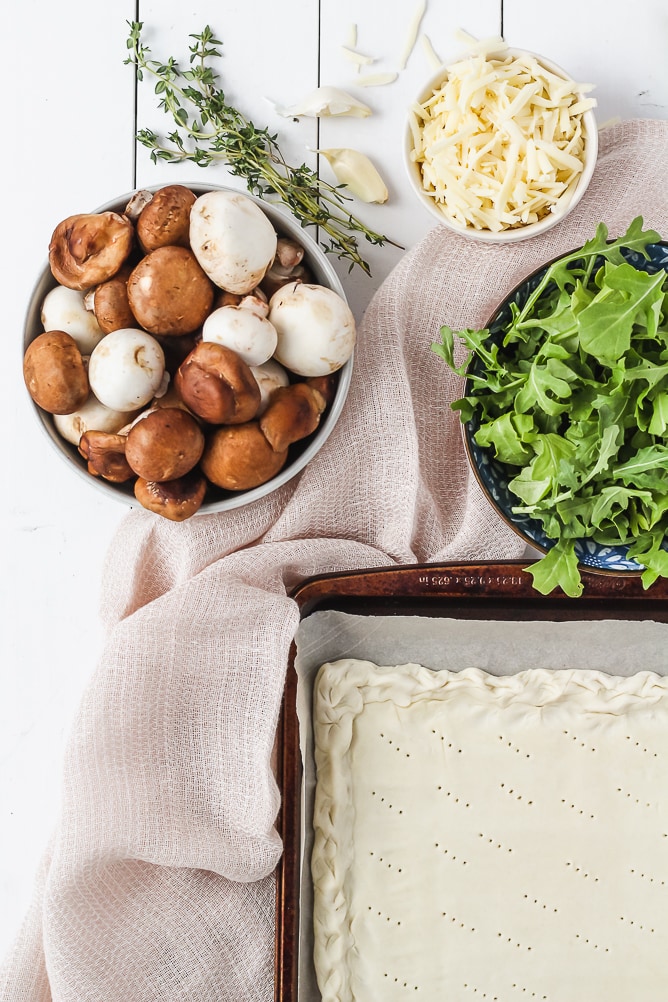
(501, 144)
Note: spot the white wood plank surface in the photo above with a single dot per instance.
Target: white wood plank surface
(68, 148)
(381, 135)
(69, 120)
(619, 47)
(252, 73)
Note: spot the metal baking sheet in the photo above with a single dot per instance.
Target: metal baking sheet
(448, 616)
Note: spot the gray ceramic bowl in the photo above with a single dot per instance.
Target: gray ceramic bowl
(300, 454)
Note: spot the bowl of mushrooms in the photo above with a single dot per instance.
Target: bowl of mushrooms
(187, 347)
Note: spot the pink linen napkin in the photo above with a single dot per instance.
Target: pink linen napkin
(157, 884)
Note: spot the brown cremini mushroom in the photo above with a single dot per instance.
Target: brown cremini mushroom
(239, 458)
(165, 220)
(256, 297)
(164, 445)
(177, 349)
(293, 413)
(88, 248)
(217, 385)
(105, 456)
(110, 303)
(169, 293)
(54, 373)
(138, 200)
(325, 385)
(176, 499)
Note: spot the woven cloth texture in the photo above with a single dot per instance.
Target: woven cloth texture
(157, 882)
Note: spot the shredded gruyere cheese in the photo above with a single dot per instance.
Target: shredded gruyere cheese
(412, 34)
(376, 79)
(351, 37)
(353, 56)
(433, 58)
(501, 142)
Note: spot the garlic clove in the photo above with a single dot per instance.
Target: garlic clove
(355, 170)
(327, 101)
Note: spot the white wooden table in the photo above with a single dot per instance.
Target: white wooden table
(70, 113)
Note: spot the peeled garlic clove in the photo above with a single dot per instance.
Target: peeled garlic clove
(327, 101)
(356, 171)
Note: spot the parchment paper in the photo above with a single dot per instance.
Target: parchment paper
(617, 647)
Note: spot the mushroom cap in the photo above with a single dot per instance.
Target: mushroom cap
(91, 416)
(126, 369)
(244, 331)
(169, 293)
(326, 385)
(239, 458)
(54, 373)
(111, 305)
(217, 385)
(315, 327)
(64, 309)
(293, 413)
(233, 240)
(173, 499)
(105, 456)
(165, 220)
(88, 248)
(164, 445)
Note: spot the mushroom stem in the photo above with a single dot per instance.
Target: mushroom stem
(105, 455)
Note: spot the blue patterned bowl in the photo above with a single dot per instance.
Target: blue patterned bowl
(494, 477)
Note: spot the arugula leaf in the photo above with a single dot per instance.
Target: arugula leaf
(544, 388)
(651, 458)
(627, 296)
(558, 569)
(650, 553)
(508, 436)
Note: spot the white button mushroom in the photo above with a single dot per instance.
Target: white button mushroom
(232, 239)
(92, 416)
(126, 369)
(242, 330)
(268, 376)
(64, 309)
(315, 327)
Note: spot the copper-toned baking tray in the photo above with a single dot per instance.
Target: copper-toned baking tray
(456, 590)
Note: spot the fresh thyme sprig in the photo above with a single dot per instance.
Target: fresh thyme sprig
(208, 129)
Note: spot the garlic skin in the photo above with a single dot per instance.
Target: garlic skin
(355, 170)
(327, 101)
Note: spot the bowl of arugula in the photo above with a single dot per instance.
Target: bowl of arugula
(565, 412)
